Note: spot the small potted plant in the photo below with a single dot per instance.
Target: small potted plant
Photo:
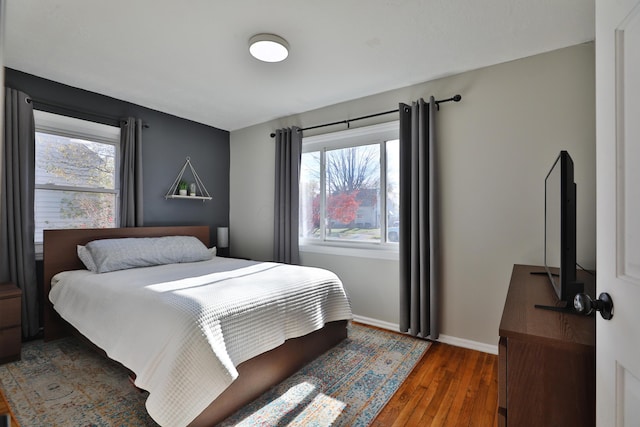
(182, 188)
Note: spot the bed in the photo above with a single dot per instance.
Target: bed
(211, 358)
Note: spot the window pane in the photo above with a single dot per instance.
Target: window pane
(352, 193)
(74, 162)
(393, 190)
(310, 195)
(55, 209)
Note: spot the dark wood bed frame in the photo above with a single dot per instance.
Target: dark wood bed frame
(256, 375)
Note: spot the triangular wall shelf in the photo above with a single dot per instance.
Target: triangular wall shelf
(201, 190)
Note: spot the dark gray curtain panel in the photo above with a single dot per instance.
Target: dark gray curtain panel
(285, 227)
(419, 263)
(17, 250)
(131, 173)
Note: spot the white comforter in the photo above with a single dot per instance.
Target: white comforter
(183, 328)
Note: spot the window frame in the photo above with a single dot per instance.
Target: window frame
(70, 127)
(367, 135)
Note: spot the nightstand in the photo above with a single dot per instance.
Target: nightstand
(10, 322)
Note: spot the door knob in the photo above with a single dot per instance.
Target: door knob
(585, 305)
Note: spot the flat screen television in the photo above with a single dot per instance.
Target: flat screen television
(560, 230)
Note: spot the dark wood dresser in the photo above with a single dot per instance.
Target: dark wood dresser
(546, 374)
(10, 322)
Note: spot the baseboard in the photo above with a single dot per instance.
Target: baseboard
(458, 342)
(472, 345)
(377, 323)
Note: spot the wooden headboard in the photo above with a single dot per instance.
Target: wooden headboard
(60, 254)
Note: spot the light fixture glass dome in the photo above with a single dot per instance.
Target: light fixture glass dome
(268, 47)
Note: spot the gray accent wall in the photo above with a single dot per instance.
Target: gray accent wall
(166, 143)
(496, 147)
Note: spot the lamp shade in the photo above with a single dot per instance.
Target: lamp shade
(223, 237)
(268, 47)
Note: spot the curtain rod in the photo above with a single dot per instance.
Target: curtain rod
(74, 110)
(455, 98)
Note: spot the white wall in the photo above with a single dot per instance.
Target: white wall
(496, 147)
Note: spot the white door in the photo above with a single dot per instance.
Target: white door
(618, 210)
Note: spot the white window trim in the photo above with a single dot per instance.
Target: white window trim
(71, 127)
(349, 138)
(366, 250)
(76, 128)
(352, 137)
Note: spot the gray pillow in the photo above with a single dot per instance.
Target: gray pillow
(132, 252)
(85, 257)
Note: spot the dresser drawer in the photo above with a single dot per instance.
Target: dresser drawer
(10, 344)
(10, 312)
(502, 382)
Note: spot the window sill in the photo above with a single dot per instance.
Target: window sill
(369, 251)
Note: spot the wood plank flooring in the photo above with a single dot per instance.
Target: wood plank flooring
(4, 409)
(450, 386)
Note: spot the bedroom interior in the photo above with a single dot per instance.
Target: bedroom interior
(518, 111)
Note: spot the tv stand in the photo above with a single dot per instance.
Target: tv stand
(565, 309)
(546, 362)
(543, 273)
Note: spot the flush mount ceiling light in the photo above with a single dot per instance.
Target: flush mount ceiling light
(268, 47)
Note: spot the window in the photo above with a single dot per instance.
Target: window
(349, 187)
(76, 181)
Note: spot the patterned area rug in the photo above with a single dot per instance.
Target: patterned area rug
(63, 383)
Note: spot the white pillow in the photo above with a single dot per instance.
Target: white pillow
(85, 257)
(132, 252)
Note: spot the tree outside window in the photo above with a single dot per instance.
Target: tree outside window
(340, 193)
(75, 178)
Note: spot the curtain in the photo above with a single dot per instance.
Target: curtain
(17, 250)
(131, 173)
(288, 155)
(419, 263)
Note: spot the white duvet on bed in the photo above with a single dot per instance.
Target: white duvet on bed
(183, 328)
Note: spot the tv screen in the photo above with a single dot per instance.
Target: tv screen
(560, 228)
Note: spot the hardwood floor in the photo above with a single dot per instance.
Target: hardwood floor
(4, 409)
(450, 386)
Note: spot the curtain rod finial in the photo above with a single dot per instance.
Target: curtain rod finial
(457, 98)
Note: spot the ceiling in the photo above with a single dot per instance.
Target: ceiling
(190, 58)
